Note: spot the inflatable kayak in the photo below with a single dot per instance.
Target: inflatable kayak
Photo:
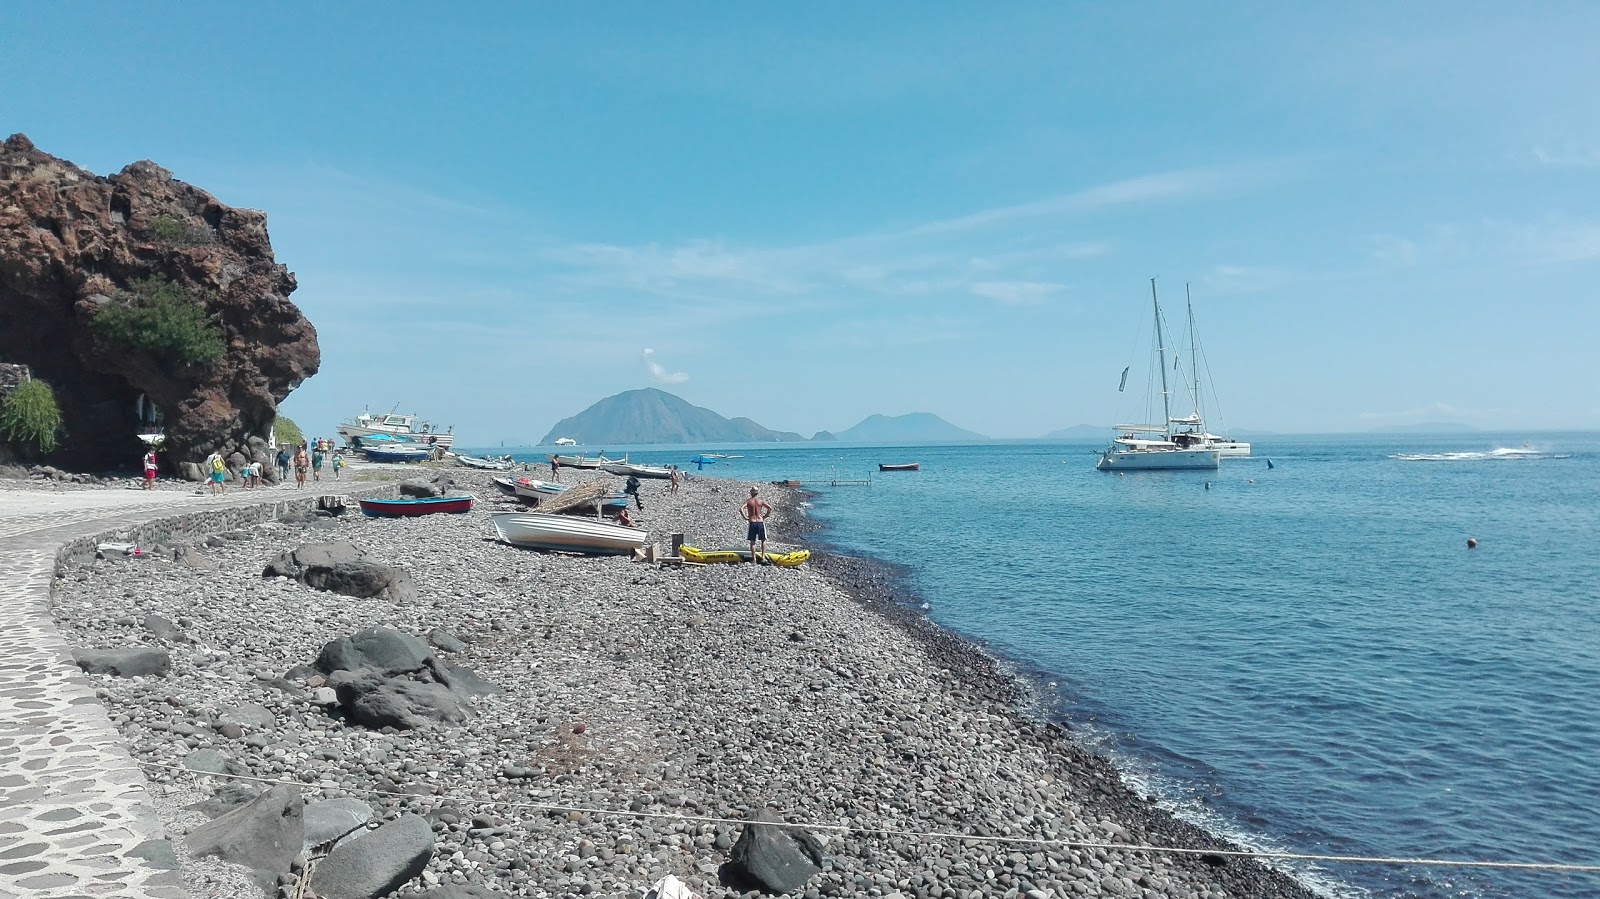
(737, 554)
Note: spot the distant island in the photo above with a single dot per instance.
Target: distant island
(649, 416)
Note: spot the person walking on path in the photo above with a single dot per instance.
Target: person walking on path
(283, 465)
(338, 463)
(150, 468)
(316, 463)
(674, 479)
(632, 488)
(217, 471)
(755, 511)
(555, 469)
(302, 462)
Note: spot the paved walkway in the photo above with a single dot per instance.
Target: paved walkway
(74, 820)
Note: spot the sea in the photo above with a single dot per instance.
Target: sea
(1305, 656)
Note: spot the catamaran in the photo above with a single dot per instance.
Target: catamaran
(1153, 447)
(1189, 431)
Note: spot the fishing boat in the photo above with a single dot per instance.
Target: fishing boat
(396, 453)
(793, 559)
(404, 508)
(566, 533)
(590, 462)
(1152, 447)
(503, 463)
(899, 466)
(1189, 431)
(534, 491)
(625, 469)
(506, 485)
(405, 424)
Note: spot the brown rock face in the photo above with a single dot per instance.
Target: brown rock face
(71, 240)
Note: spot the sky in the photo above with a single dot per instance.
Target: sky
(809, 213)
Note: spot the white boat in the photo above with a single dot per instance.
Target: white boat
(1152, 447)
(641, 471)
(397, 453)
(586, 461)
(504, 463)
(567, 533)
(1189, 431)
(566, 441)
(402, 424)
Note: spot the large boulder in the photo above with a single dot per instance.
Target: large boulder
(73, 243)
(264, 835)
(343, 568)
(374, 700)
(382, 648)
(418, 488)
(771, 858)
(371, 864)
(127, 661)
(331, 819)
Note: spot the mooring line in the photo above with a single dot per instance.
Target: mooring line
(1268, 855)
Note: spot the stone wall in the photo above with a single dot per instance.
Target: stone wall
(193, 527)
(11, 376)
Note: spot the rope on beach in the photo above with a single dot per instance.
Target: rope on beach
(1265, 855)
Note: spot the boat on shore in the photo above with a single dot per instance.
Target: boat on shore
(625, 469)
(587, 462)
(534, 491)
(566, 533)
(404, 424)
(396, 453)
(406, 508)
(899, 466)
(504, 463)
(1152, 447)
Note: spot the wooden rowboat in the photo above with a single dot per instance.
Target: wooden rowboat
(403, 508)
(903, 466)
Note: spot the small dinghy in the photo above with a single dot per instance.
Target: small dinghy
(405, 508)
(900, 466)
(699, 556)
(566, 533)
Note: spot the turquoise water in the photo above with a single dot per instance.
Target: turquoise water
(1307, 657)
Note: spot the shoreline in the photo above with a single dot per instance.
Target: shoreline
(706, 692)
(881, 587)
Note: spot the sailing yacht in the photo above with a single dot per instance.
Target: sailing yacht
(1189, 431)
(1155, 447)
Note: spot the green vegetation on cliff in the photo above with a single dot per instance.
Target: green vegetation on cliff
(286, 432)
(30, 418)
(159, 317)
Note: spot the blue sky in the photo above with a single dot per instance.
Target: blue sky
(813, 212)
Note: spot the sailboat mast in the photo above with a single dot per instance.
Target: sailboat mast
(1161, 356)
(1194, 355)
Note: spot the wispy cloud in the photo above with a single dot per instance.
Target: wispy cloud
(1549, 242)
(1017, 293)
(1224, 279)
(1567, 156)
(658, 373)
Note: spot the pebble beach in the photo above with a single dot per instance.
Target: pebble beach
(643, 713)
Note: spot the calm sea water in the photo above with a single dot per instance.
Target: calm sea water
(1308, 658)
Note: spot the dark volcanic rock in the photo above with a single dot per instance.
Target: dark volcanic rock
(375, 701)
(381, 648)
(130, 661)
(264, 834)
(773, 859)
(343, 568)
(70, 241)
(375, 863)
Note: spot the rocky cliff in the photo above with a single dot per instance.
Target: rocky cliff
(74, 245)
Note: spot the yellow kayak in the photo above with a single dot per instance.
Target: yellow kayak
(710, 556)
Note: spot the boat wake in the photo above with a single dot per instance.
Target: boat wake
(1504, 452)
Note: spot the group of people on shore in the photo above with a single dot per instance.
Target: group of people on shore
(306, 459)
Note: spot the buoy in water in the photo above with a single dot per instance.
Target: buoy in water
(1208, 485)
(1472, 543)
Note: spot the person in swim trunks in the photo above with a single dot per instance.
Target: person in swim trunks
(755, 511)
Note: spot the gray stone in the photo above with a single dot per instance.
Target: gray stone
(418, 489)
(190, 557)
(374, 863)
(162, 628)
(457, 891)
(264, 835)
(443, 639)
(373, 700)
(211, 761)
(464, 681)
(343, 568)
(383, 649)
(229, 796)
(128, 661)
(773, 859)
(156, 854)
(251, 715)
(333, 818)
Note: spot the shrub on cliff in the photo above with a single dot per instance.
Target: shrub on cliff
(286, 432)
(30, 418)
(159, 317)
(173, 230)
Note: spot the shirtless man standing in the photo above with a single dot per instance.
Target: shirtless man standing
(755, 510)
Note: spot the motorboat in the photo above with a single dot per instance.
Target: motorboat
(567, 533)
(624, 469)
(397, 453)
(899, 466)
(588, 462)
(504, 463)
(405, 424)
